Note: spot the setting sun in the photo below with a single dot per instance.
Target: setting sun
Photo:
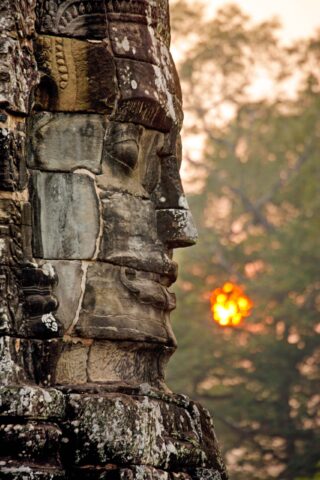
(229, 305)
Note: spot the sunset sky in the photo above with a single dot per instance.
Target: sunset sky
(299, 17)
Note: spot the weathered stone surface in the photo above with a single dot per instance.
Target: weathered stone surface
(169, 191)
(68, 289)
(65, 208)
(28, 361)
(134, 41)
(106, 208)
(130, 160)
(64, 142)
(79, 18)
(77, 76)
(123, 429)
(13, 174)
(17, 18)
(102, 362)
(132, 472)
(31, 402)
(147, 97)
(18, 75)
(130, 235)
(11, 301)
(206, 474)
(39, 302)
(176, 228)
(131, 362)
(30, 442)
(138, 305)
(25, 471)
(142, 472)
(73, 363)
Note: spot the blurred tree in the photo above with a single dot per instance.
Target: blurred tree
(254, 105)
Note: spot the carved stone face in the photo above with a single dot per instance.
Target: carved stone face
(105, 152)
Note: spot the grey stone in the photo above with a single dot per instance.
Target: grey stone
(30, 442)
(137, 309)
(206, 474)
(28, 361)
(31, 402)
(176, 228)
(66, 141)
(24, 471)
(18, 75)
(130, 362)
(130, 236)
(123, 429)
(66, 215)
(73, 364)
(68, 289)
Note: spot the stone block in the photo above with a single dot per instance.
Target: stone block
(68, 289)
(73, 363)
(65, 215)
(147, 96)
(130, 159)
(25, 471)
(134, 41)
(143, 472)
(122, 429)
(168, 192)
(65, 142)
(31, 402)
(17, 18)
(206, 474)
(130, 362)
(28, 361)
(11, 306)
(77, 76)
(130, 236)
(85, 361)
(137, 309)
(176, 228)
(13, 173)
(30, 442)
(18, 75)
(76, 19)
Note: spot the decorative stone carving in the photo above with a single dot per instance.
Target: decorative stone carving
(92, 119)
(77, 76)
(79, 18)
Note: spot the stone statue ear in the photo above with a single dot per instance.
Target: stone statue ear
(45, 94)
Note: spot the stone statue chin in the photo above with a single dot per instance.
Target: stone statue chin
(96, 207)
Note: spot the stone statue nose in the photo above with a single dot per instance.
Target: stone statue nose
(176, 227)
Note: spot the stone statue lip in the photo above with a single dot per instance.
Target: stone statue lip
(148, 288)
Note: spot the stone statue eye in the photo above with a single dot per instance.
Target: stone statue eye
(121, 146)
(126, 152)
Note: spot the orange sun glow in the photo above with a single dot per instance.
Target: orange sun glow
(230, 305)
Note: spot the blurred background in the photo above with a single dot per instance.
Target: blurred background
(251, 83)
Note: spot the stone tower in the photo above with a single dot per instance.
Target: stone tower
(91, 208)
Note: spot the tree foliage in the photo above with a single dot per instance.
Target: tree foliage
(255, 106)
